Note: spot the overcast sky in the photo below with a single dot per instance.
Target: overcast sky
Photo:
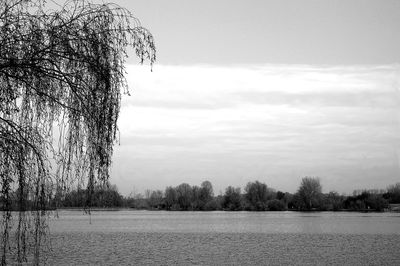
(266, 90)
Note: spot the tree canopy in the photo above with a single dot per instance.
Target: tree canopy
(61, 79)
(309, 192)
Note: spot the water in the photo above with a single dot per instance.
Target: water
(224, 238)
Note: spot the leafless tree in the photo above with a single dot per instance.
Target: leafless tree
(310, 192)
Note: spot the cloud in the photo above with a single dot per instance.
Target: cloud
(229, 123)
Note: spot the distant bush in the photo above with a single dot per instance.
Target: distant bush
(366, 201)
(393, 193)
(276, 205)
(213, 205)
(232, 200)
(257, 194)
(103, 196)
(332, 201)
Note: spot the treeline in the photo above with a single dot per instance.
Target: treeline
(102, 196)
(256, 196)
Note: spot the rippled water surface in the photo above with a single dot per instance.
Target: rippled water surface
(224, 238)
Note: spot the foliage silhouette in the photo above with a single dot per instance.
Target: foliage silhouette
(233, 200)
(61, 80)
(309, 193)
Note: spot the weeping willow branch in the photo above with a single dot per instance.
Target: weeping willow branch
(61, 79)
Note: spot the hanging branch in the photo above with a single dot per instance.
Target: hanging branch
(61, 80)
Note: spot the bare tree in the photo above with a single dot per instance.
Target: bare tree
(184, 196)
(61, 80)
(257, 195)
(309, 192)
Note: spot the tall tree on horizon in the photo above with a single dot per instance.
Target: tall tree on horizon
(61, 80)
(309, 192)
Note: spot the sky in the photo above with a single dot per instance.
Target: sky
(263, 90)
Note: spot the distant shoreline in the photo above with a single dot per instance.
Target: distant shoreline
(163, 210)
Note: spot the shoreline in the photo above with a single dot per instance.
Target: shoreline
(208, 211)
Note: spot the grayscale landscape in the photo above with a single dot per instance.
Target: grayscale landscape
(215, 132)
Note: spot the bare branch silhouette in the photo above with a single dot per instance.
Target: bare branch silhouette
(61, 79)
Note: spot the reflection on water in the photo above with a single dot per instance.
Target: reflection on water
(225, 238)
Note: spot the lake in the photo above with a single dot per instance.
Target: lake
(224, 238)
